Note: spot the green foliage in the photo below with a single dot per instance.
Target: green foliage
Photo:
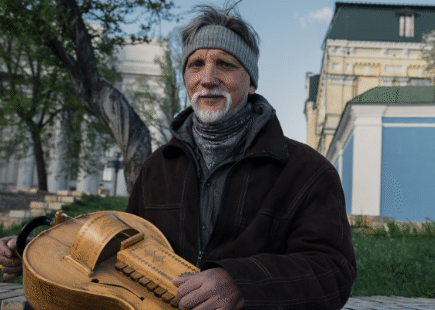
(37, 44)
(87, 204)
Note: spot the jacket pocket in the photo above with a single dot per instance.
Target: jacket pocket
(166, 218)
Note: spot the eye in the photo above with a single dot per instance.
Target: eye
(196, 64)
(226, 65)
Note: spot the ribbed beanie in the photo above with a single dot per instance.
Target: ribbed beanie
(219, 37)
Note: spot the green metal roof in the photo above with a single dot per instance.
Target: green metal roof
(378, 22)
(396, 95)
(314, 87)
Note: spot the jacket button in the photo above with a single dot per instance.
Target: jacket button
(208, 184)
(203, 227)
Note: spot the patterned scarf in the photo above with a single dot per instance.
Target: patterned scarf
(218, 141)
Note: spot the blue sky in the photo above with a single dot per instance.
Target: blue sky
(291, 35)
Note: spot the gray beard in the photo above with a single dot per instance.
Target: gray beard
(213, 117)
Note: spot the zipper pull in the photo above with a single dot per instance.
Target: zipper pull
(199, 258)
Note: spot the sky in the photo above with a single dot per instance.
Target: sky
(291, 34)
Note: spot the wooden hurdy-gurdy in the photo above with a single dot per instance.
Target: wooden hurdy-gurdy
(102, 260)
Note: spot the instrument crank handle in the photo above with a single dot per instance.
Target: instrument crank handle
(20, 242)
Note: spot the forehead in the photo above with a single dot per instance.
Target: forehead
(213, 53)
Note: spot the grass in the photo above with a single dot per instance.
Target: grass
(87, 204)
(399, 262)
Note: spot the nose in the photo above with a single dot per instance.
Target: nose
(209, 77)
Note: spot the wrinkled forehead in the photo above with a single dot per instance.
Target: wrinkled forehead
(213, 54)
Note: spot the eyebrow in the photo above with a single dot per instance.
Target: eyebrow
(220, 55)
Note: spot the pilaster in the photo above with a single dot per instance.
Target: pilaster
(367, 154)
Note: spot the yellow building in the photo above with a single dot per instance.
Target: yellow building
(366, 46)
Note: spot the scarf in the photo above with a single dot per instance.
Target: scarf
(218, 141)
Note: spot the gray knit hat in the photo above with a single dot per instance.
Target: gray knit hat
(219, 37)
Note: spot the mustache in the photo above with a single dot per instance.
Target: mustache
(208, 92)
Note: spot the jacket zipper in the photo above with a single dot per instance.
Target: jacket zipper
(224, 193)
(201, 253)
(199, 258)
(198, 189)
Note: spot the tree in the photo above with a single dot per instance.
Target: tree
(59, 25)
(157, 108)
(31, 89)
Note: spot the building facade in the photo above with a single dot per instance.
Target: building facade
(383, 150)
(132, 62)
(366, 46)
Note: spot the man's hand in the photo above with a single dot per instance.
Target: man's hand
(11, 266)
(208, 290)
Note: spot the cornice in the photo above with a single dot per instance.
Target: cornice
(341, 79)
(374, 44)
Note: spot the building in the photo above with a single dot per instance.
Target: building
(383, 149)
(366, 46)
(132, 62)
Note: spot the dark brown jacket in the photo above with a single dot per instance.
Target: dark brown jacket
(283, 233)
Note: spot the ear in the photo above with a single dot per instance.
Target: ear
(251, 90)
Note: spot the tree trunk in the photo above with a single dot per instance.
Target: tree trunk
(40, 162)
(100, 98)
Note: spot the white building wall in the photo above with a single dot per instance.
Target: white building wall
(367, 154)
(26, 171)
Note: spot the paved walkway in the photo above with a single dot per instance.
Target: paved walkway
(393, 302)
(12, 298)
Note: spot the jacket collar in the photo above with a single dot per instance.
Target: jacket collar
(269, 141)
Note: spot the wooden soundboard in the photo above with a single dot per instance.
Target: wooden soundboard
(102, 260)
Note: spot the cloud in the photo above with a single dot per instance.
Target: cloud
(324, 14)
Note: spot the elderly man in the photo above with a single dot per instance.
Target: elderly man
(262, 215)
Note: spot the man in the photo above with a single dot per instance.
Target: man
(263, 216)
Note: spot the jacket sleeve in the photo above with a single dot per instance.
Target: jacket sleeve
(136, 200)
(318, 268)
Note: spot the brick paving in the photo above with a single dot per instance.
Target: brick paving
(12, 298)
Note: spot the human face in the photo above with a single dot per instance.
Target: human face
(217, 85)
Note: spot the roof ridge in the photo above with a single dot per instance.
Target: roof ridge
(382, 4)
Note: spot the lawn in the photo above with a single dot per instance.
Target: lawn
(397, 262)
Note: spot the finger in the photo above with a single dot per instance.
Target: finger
(193, 299)
(13, 269)
(10, 262)
(4, 249)
(187, 287)
(10, 276)
(180, 280)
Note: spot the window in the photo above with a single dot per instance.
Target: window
(107, 174)
(367, 70)
(394, 69)
(420, 82)
(406, 28)
(336, 66)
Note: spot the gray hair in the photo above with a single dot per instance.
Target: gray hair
(211, 15)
